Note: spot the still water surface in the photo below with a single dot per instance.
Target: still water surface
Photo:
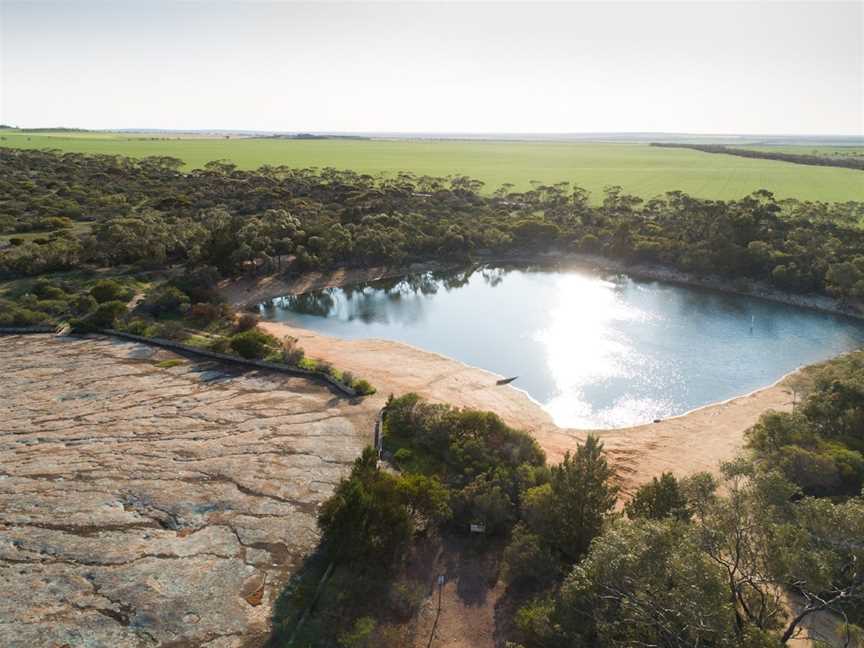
(596, 350)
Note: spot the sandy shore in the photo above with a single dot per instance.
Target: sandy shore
(689, 443)
(698, 440)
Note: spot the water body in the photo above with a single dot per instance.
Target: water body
(596, 350)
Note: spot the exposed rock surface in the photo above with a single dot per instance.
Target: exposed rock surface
(156, 506)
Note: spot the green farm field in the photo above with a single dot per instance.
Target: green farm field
(638, 168)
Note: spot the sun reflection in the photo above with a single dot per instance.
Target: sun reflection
(584, 350)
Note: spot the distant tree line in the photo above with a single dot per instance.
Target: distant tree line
(150, 214)
(794, 158)
(55, 129)
(313, 136)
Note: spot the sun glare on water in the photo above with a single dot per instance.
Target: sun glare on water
(586, 348)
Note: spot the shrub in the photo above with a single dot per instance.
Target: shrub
(348, 378)
(45, 289)
(53, 223)
(169, 330)
(171, 362)
(137, 327)
(403, 456)
(404, 599)
(360, 635)
(221, 345)
(166, 300)
(483, 502)
(661, 498)
(363, 387)
(527, 561)
(291, 353)
(326, 367)
(200, 284)
(12, 315)
(106, 314)
(308, 364)
(246, 322)
(205, 313)
(82, 304)
(253, 344)
(53, 306)
(107, 290)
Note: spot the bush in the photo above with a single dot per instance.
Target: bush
(483, 502)
(363, 387)
(169, 330)
(253, 344)
(405, 598)
(106, 314)
(200, 284)
(360, 635)
(309, 364)
(12, 315)
(53, 306)
(205, 313)
(137, 327)
(403, 456)
(661, 498)
(326, 367)
(220, 345)
(246, 322)
(107, 290)
(166, 300)
(45, 289)
(82, 304)
(291, 353)
(527, 561)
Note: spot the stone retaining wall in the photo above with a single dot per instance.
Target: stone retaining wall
(224, 357)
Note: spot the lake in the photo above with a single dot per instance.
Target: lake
(596, 350)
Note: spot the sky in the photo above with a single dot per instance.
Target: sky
(488, 67)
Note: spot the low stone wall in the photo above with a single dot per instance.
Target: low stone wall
(224, 357)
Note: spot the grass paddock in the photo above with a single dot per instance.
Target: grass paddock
(638, 168)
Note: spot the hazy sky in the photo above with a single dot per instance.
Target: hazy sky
(708, 67)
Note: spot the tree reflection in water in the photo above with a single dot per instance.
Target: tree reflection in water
(320, 303)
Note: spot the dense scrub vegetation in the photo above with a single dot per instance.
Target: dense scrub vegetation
(149, 214)
(820, 446)
(185, 308)
(457, 468)
(682, 566)
(49, 301)
(795, 158)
